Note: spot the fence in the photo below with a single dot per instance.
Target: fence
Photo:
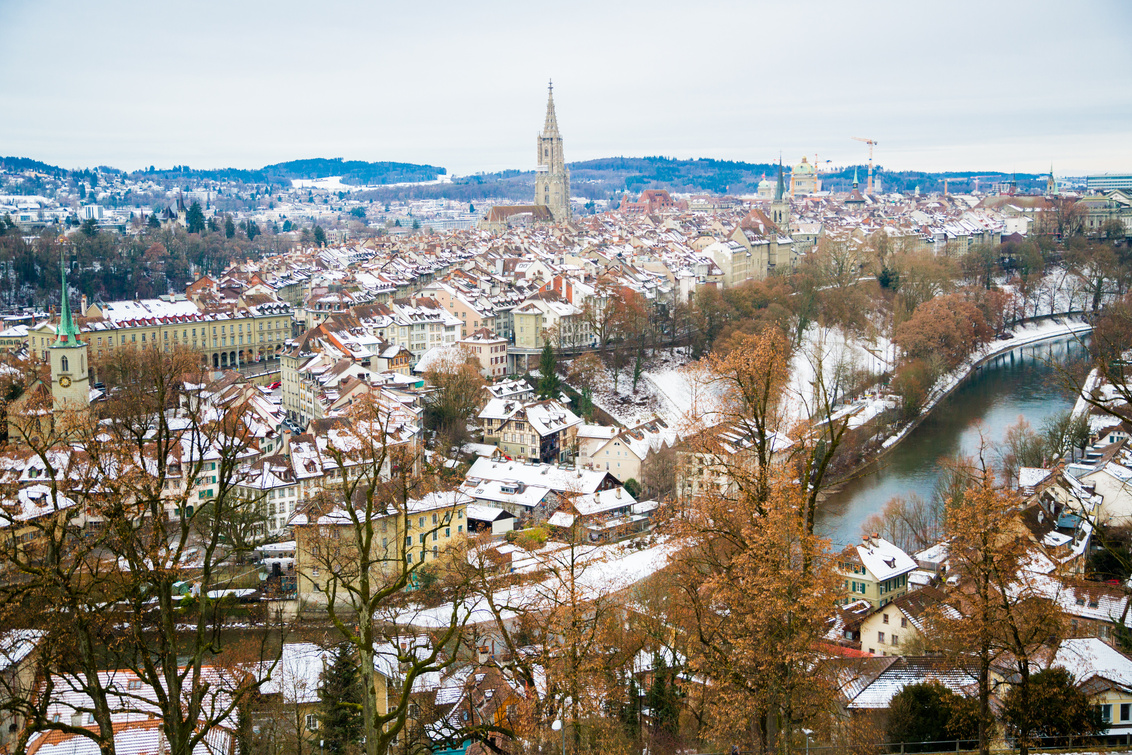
(1067, 744)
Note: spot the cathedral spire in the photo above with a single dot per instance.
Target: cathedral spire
(68, 332)
(780, 189)
(550, 128)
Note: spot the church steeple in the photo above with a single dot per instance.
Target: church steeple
(70, 380)
(550, 127)
(67, 334)
(855, 182)
(780, 190)
(552, 178)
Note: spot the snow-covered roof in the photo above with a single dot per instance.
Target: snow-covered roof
(883, 559)
(1089, 656)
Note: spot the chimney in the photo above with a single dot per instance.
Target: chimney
(482, 654)
(82, 306)
(618, 493)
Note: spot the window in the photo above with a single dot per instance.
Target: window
(880, 637)
(1106, 712)
(885, 619)
(895, 639)
(312, 722)
(903, 622)
(1125, 711)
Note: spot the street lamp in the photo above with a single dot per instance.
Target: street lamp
(559, 725)
(807, 732)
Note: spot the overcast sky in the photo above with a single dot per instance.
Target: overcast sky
(987, 85)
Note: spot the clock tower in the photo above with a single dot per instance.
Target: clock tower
(70, 381)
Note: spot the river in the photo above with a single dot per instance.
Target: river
(1023, 382)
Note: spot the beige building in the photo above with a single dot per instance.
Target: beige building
(549, 315)
(891, 628)
(804, 179)
(226, 338)
(490, 350)
(326, 540)
(623, 453)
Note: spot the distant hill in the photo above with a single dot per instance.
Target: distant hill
(15, 164)
(354, 172)
(603, 178)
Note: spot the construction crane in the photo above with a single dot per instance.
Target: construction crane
(872, 143)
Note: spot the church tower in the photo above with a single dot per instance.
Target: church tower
(552, 179)
(780, 207)
(70, 383)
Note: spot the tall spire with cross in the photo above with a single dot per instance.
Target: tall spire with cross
(550, 127)
(552, 179)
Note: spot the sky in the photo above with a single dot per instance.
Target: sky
(961, 85)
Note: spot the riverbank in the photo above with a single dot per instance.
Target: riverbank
(1025, 381)
(1025, 334)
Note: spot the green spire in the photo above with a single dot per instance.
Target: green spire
(68, 332)
(780, 190)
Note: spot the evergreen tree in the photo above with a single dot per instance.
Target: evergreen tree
(1053, 707)
(549, 385)
(194, 218)
(229, 227)
(663, 698)
(252, 230)
(340, 707)
(319, 236)
(154, 222)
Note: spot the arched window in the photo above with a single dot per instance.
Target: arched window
(63, 365)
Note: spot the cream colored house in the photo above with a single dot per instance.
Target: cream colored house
(623, 453)
(876, 571)
(489, 350)
(888, 630)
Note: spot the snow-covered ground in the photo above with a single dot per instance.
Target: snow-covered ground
(837, 354)
(666, 391)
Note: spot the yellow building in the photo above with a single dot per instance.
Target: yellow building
(876, 571)
(227, 338)
(326, 544)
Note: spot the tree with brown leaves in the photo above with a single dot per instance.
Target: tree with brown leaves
(1001, 611)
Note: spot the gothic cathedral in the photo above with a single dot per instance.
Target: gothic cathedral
(552, 179)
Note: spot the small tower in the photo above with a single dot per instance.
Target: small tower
(552, 179)
(70, 382)
(780, 207)
(1051, 184)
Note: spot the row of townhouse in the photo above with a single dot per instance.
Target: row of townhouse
(226, 337)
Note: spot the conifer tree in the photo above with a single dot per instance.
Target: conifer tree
(340, 714)
(548, 384)
(194, 218)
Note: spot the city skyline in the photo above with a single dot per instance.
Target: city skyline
(977, 88)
